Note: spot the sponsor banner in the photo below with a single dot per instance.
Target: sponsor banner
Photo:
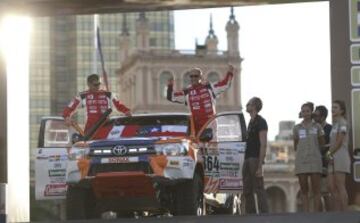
(50, 173)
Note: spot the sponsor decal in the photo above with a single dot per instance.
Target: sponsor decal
(174, 163)
(194, 98)
(57, 173)
(205, 95)
(232, 184)
(119, 150)
(207, 105)
(120, 160)
(55, 190)
(115, 132)
(57, 158)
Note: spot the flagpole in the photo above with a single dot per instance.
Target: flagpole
(96, 25)
(98, 49)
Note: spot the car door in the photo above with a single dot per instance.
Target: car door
(223, 154)
(51, 159)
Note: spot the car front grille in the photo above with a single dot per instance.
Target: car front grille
(120, 167)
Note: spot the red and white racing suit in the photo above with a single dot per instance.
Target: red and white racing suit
(95, 103)
(200, 98)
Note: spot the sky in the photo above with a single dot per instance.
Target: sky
(286, 52)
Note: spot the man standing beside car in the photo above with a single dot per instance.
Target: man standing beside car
(200, 97)
(96, 102)
(254, 159)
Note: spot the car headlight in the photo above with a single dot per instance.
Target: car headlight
(77, 153)
(171, 149)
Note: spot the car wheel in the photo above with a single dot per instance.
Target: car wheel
(189, 199)
(80, 203)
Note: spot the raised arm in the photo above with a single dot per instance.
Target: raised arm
(222, 85)
(175, 96)
(71, 109)
(119, 106)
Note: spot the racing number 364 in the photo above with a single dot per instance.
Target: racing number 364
(211, 163)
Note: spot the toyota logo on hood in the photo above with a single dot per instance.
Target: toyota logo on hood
(119, 150)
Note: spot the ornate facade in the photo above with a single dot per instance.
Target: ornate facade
(145, 71)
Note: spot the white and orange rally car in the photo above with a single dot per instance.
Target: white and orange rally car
(151, 163)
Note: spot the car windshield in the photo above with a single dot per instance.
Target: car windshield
(147, 126)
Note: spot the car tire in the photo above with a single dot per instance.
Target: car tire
(189, 198)
(80, 203)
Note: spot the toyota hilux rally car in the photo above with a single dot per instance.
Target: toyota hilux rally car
(151, 163)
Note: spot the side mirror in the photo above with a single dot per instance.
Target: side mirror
(206, 135)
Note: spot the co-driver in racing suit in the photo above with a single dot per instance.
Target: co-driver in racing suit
(200, 97)
(96, 102)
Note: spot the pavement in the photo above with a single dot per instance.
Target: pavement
(323, 217)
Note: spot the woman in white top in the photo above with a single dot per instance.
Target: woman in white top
(339, 157)
(308, 139)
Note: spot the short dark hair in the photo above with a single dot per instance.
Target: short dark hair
(93, 77)
(257, 103)
(322, 110)
(341, 105)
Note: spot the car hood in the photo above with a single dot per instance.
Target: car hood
(135, 141)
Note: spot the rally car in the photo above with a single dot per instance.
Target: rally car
(151, 163)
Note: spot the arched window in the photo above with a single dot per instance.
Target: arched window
(277, 199)
(213, 77)
(164, 77)
(186, 80)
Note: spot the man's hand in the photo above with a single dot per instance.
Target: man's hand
(128, 113)
(231, 68)
(171, 81)
(259, 171)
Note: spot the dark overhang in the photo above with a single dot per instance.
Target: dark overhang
(71, 7)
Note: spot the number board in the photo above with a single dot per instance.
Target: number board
(354, 20)
(355, 101)
(355, 76)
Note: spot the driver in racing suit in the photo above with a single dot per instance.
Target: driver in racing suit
(96, 102)
(200, 97)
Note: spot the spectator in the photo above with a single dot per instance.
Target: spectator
(320, 114)
(96, 102)
(338, 155)
(254, 159)
(200, 97)
(308, 138)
